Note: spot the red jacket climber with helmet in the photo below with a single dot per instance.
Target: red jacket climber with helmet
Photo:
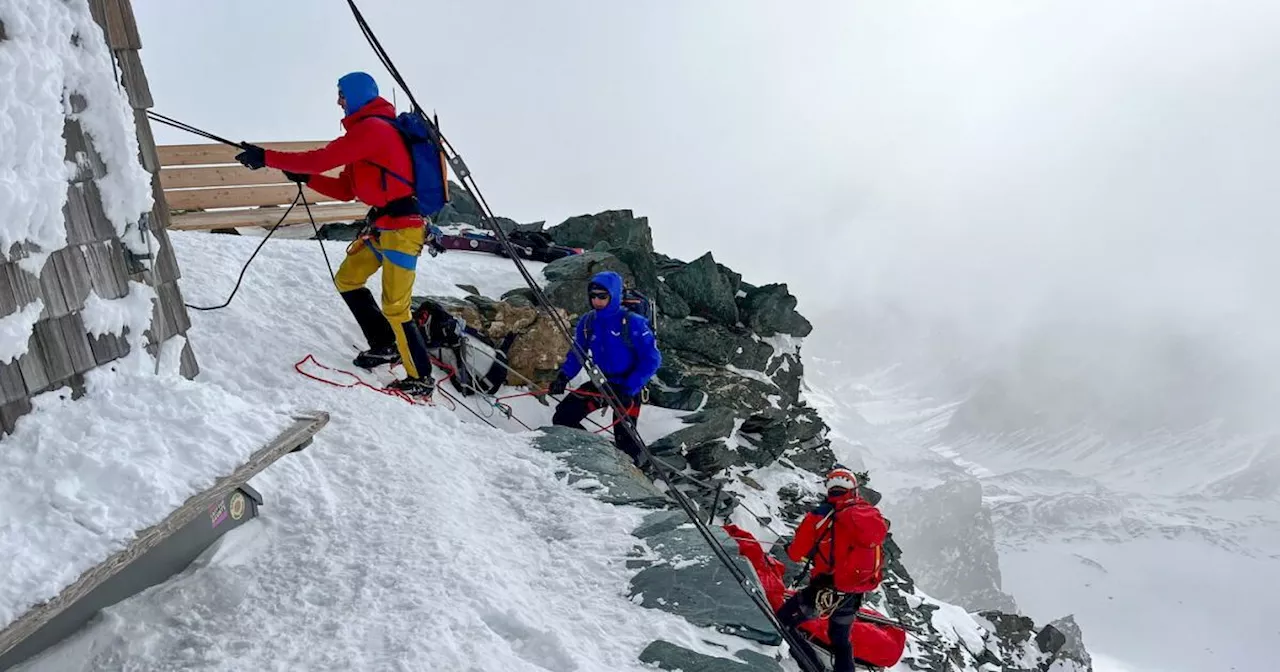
(842, 539)
(372, 154)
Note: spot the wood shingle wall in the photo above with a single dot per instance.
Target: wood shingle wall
(60, 350)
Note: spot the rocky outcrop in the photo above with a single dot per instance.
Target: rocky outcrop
(678, 573)
(729, 348)
(951, 541)
(539, 347)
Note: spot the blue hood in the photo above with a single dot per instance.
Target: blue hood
(357, 89)
(612, 282)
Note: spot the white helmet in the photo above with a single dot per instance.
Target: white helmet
(840, 477)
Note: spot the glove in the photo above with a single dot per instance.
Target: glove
(300, 178)
(253, 157)
(557, 386)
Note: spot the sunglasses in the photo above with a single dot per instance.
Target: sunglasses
(603, 296)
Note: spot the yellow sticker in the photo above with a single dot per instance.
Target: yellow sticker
(237, 505)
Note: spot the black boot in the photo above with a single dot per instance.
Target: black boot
(375, 357)
(419, 388)
(377, 330)
(417, 344)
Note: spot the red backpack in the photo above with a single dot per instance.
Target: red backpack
(859, 532)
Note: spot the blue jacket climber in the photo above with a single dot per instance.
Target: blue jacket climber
(628, 361)
(623, 346)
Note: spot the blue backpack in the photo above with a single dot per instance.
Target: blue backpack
(430, 165)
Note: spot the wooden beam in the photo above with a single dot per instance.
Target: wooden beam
(239, 197)
(304, 427)
(222, 176)
(213, 154)
(199, 221)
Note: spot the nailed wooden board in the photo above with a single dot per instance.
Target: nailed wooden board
(239, 197)
(305, 425)
(223, 176)
(214, 154)
(198, 221)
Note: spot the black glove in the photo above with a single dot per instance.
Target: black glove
(300, 178)
(253, 157)
(557, 386)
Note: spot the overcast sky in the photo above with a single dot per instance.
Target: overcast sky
(985, 160)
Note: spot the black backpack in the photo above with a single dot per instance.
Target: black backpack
(632, 302)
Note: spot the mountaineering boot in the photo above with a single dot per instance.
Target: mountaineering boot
(416, 343)
(418, 388)
(377, 330)
(375, 357)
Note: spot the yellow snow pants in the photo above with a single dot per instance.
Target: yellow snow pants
(395, 251)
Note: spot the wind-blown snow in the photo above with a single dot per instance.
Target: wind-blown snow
(404, 537)
(15, 330)
(111, 316)
(81, 477)
(54, 52)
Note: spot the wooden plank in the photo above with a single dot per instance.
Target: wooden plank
(195, 221)
(189, 367)
(32, 366)
(74, 271)
(229, 197)
(305, 426)
(51, 292)
(75, 214)
(214, 154)
(106, 264)
(223, 176)
(24, 286)
(122, 29)
(11, 412)
(77, 339)
(134, 79)
(54, 354)
(11, 386)
(108, 347)
(146, 142)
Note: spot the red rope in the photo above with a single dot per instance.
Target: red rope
(359, 382)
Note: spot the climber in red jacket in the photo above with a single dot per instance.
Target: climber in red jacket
(372, 154)
(842, 539)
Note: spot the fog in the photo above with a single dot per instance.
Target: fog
(994, 173)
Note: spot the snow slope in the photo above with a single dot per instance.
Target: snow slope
(405, 538)
(1158, 577)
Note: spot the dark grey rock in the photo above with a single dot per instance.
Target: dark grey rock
(701, 590)
(771, 309)
(713, 344)
(723, 388)
(710, 457)
(1072, 647)
(951, 543)
(339, 231)
(620, 229)
(670, 304)
(590, 456)
(567, 279)
(660, 522)
(709, 293)
(488, 307)
(683, 399)
(705, 425)
(470, 289)
(668, 656)
(522, 297)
